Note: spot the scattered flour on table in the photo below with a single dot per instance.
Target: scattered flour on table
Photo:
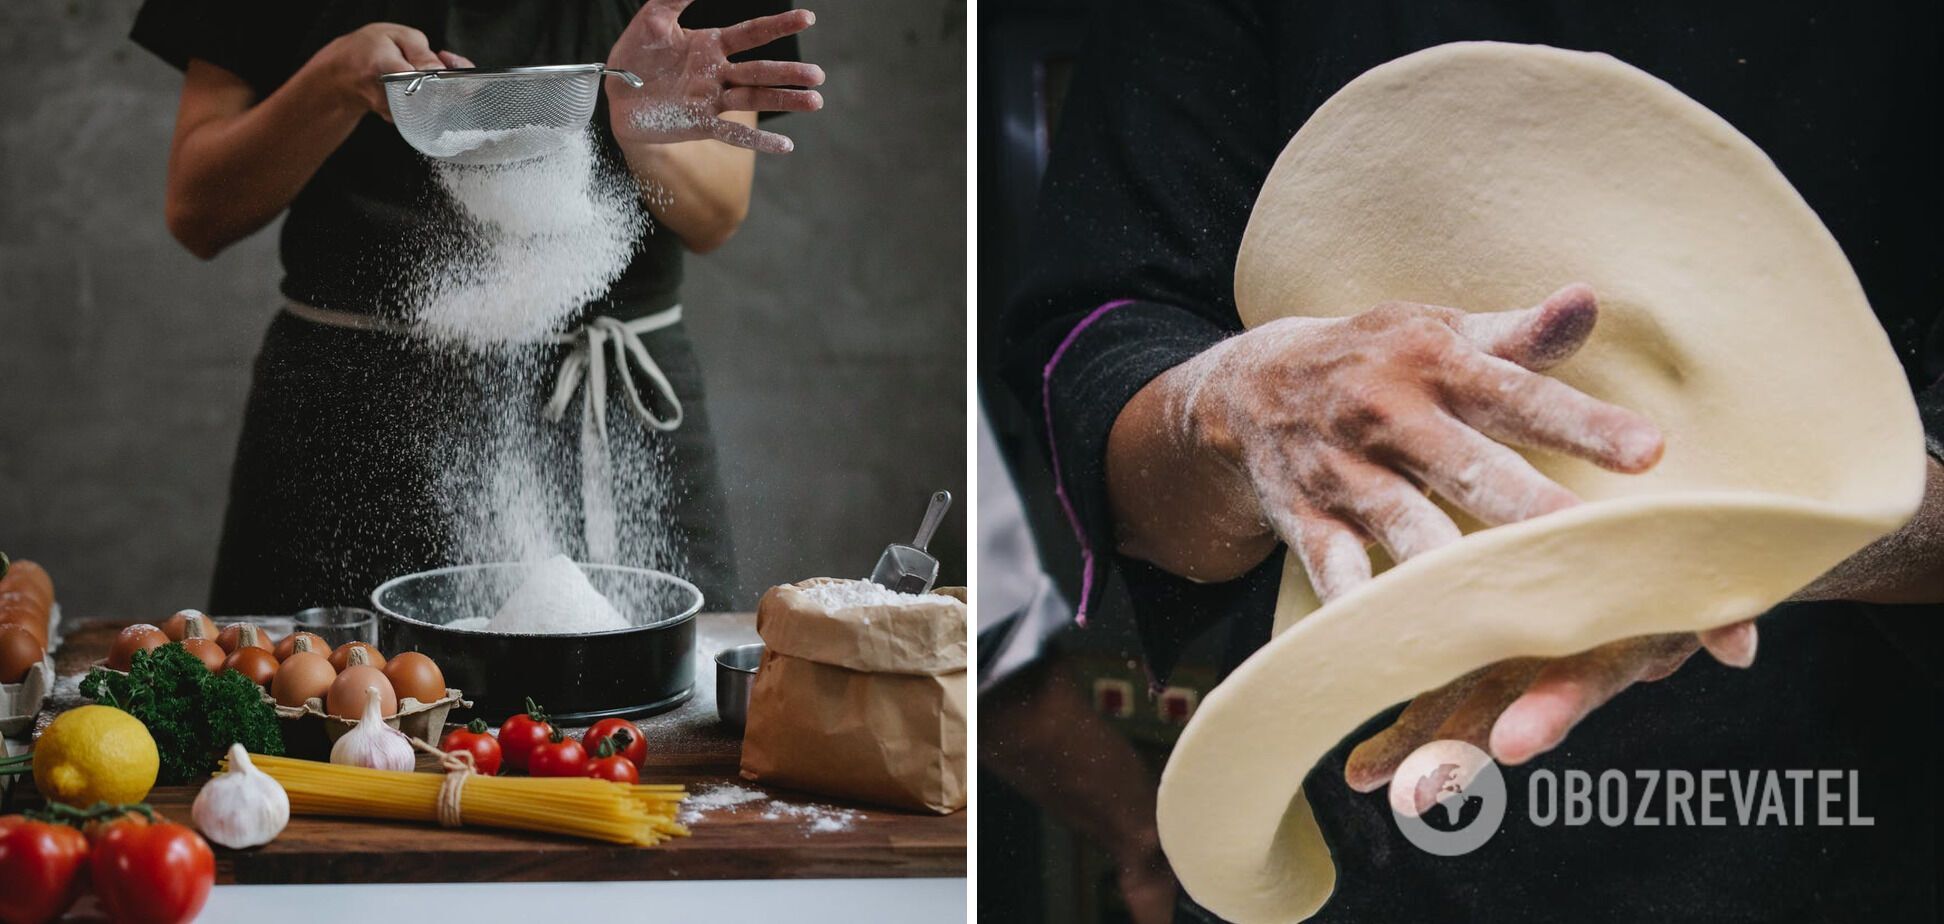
(837, 595)
(815, 819)
(721, 795)
(68, 687)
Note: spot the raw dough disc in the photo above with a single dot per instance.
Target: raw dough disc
(1483, 176)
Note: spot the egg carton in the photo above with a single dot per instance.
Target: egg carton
(309, 731)
(20, 702)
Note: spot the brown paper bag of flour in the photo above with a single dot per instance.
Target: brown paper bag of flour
(863, 702)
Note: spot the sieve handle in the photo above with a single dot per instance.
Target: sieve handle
(628, 76)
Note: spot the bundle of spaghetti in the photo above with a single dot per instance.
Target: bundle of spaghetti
(621, 813)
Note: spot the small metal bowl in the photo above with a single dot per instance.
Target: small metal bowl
(735, 677)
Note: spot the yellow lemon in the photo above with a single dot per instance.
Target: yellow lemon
(95, 754)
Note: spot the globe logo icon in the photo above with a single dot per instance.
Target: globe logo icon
(1448, 798)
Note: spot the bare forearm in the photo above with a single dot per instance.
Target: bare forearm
(1172, 500)
(1906, 566)
(231, 175)
(697, 189)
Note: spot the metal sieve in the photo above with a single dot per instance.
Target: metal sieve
(495, 115)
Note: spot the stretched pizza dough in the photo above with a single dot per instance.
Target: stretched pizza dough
(1483, 176)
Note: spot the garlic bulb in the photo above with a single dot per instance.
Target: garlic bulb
(243, 807)
(372, 743)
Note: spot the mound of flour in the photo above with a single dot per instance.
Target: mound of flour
(837, 595)
(556, 597)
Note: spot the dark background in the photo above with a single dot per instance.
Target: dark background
(831, 329)
(1031, 867)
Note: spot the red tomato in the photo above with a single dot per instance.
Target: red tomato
(151, 872)
(519, 735)
(558, 756)
(608, 765)
(628, 740)
(473, 739)
(43, 868)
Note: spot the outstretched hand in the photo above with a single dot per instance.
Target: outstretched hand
(688, 82)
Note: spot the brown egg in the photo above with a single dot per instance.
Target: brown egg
(242, 630)
(341, 658)
(289, 644)
(210, 653)
(19, 650)
(301, 677)
(415, 676)
(179, 626)
(18, 609)
(252, 662)
(22, 609)
(30, 576)
(138, 637)
(347, 698)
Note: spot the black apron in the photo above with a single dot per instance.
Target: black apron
(354, 442)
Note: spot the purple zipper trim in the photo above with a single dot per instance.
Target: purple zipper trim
(1059, 480)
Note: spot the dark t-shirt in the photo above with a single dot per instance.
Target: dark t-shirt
(1177, 114)
(352, 235)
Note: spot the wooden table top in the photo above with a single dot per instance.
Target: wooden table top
(775, 837)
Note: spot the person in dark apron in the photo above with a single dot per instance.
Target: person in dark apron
(353, 441)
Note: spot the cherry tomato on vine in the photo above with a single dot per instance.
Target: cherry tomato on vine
(520, 734)
(558, 756)
(42, 869)
(151, 872)
(607, 765)
(473, 739)
(627, 738)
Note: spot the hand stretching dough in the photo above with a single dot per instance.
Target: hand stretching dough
(1485, 175)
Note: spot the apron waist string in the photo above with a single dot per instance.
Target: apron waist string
(586, 362)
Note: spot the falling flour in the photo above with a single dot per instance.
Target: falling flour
(838, 595)
(815, 819)
(529, 245)
(540, 238)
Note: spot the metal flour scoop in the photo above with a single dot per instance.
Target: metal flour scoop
(909, 569)
(495, 115)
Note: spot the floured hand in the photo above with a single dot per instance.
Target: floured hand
(688, 82)
(1325, 433)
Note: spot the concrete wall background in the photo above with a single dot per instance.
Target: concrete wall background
(832, 327)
